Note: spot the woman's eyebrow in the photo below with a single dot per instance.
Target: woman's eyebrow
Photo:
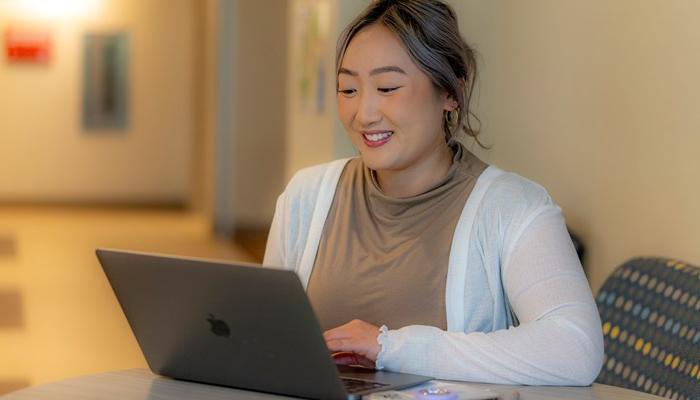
(378, 70)
(388, 68)
(347, 72)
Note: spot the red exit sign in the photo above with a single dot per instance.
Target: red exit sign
(28, 45)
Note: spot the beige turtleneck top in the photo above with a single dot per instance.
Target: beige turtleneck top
(384, 260)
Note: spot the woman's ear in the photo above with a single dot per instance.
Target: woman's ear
(451, 103)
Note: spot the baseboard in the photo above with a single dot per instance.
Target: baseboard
(173, 205)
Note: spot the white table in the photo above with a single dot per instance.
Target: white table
(141, 384)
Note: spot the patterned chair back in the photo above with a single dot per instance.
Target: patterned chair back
(650, 309)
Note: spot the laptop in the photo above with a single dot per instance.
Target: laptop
(233, 324)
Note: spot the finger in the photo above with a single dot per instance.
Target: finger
(353, 346)
(345, 358)
(340, 332)
(336, 345)
(340, 354)
(347, 346)
(353, 359)
(365, 362)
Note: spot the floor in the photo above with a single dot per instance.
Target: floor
(58, 316)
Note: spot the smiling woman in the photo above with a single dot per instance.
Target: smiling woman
(417, 256)
(393, 113)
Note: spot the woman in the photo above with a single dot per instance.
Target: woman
(418, 257)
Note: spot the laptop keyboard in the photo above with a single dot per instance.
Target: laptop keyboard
(358, 385)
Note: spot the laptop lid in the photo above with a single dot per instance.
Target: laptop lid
(231, 324)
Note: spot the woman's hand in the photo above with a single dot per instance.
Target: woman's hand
(354, 343)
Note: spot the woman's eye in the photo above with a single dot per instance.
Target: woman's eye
(388, 89)
(347, 92)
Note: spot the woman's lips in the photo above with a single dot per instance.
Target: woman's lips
(376, 138)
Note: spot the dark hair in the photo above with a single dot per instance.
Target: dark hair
(429, 31)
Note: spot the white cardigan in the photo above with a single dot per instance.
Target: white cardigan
(511, 254)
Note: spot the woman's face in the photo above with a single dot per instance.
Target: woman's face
(391, 110)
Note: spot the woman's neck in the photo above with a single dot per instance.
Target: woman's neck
(419, 177)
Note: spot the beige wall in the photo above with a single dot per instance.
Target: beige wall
(276, 132)
(259, 103)
(309, 135)
(44, 153)
(596, 101)
(314, 138)
(204, 101)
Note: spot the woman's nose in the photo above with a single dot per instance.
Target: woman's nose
(368, 112)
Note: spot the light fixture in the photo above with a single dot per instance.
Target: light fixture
(57, 9)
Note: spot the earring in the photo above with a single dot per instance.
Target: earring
(452, 118)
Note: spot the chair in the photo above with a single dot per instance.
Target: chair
(650, 312)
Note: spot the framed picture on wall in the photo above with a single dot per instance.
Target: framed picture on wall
(312, 32)
(105, 82)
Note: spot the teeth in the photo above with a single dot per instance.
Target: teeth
(378, 136)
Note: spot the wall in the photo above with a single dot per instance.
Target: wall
(316, 137)
(44, 153)
(259, 102)
(595, 100)
(347, 11)
(310, 120)
(277, 130)
(204, 103)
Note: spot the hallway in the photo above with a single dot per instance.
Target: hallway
(58, 315)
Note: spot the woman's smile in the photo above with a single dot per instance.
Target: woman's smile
(376, 138)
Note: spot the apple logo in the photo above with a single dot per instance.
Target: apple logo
(219, 327)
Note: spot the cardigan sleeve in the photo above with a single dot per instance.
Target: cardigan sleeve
(274, 249)
(293, 219)
(559, 339)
